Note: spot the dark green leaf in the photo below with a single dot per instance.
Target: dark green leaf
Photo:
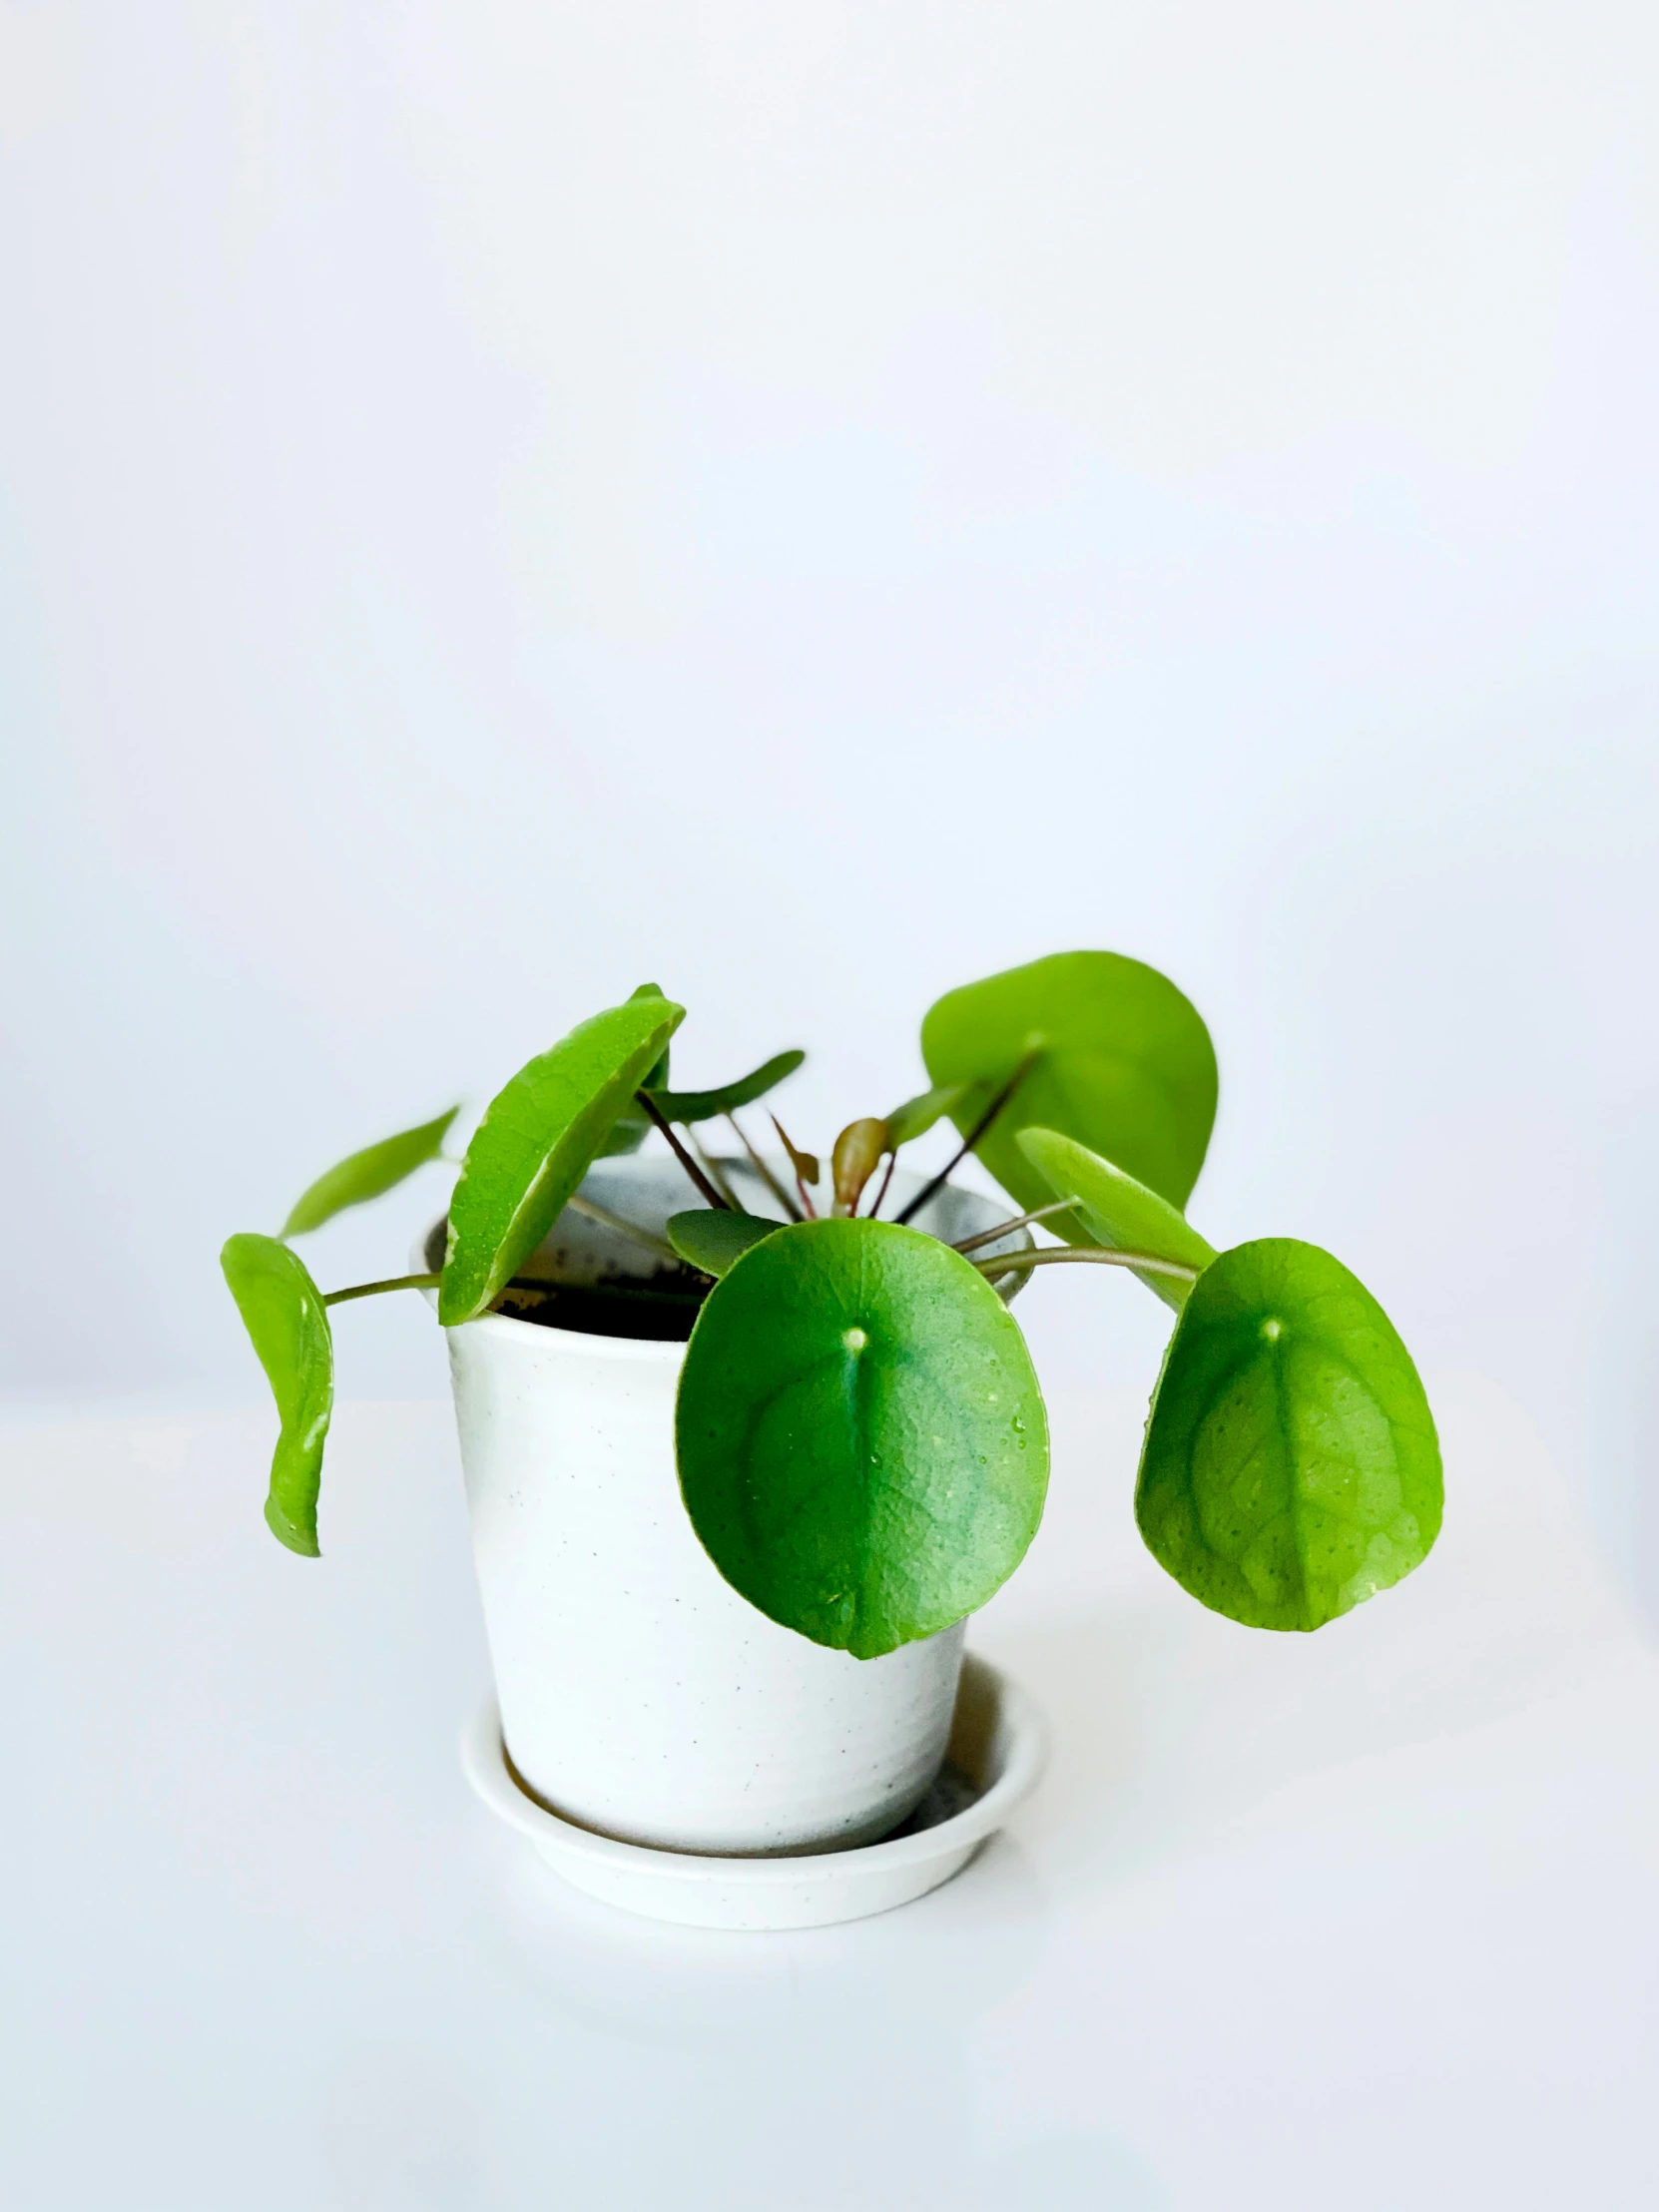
(1291, 1467)
(917, 1115)
(1124, 1065)
(367, 1174)
(711, 1240)
(862, 1442)
(535, 1143)
(705, 1105)
(285, 1316)
(1117, 1211)
(633, 1123)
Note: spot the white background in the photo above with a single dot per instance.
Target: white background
(811, 505)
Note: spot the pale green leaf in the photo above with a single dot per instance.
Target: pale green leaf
(1117, 1211)
(917, 1115)
(283, 1314)
(538, 1137)
(862, 1442)
(1290, 1467)
(369, 1174)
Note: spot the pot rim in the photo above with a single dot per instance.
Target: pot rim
(582, 1344)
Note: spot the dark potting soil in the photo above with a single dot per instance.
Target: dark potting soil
(657, 1309)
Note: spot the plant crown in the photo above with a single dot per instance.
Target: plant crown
(860, 1437)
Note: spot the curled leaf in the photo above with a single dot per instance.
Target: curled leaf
(369, 1174)
(1117, 1211)
(684, 1106)
(286, 1318)
(1290, 1467)
(860, 1150)
(711, 1240)
(861, 1443)
(536, 1141)
(805, 1164)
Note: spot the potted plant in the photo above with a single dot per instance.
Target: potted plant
(745, 1444)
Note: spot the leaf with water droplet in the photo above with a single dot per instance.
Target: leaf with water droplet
(822, 1369)
(1290, 1467)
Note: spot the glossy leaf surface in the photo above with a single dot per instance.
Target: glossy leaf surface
(862, 1442)
(711, 1240)
(1117, 1211)
(684, 1106)
(538, 1137)
(1290, 1467)
(369, 1174)
(1123, 1063)
(286, 1318)
(633, 1125)
(917, 1115)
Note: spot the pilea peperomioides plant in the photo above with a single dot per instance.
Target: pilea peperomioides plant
(862, 1442)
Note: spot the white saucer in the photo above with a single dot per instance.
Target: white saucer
(998, 1747)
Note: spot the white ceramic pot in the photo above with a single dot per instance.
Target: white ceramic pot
(639, 1695)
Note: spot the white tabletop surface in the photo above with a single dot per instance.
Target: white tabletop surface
(1363, 1920)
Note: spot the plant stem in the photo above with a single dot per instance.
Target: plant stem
(893, 1162)
(929, 1190)
(390, 1283)
(1004, 1227)
(712, 1169)
(1148, 1262)
(607, 1220)
(683, 1156)
(765, 1173)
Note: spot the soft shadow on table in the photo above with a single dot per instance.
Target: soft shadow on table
(935, 1964)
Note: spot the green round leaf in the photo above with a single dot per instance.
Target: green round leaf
(1117, 1211)
(535, 1143)
(289, 1324)
(863, 1446)
(369, 1174)
(712, 1239)
(1124, 1064)
(1291, 1467)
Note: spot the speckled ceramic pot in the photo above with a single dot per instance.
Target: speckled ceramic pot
(639, 1695)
